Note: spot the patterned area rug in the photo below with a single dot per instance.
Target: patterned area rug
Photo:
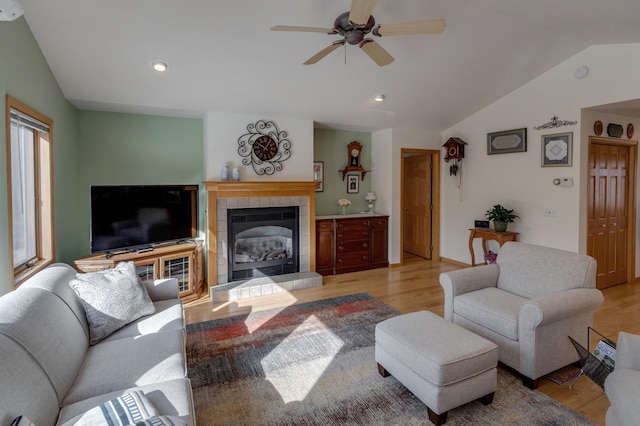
(313, 364)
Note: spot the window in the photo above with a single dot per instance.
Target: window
(29, 172)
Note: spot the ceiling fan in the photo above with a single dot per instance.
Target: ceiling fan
(354, 25)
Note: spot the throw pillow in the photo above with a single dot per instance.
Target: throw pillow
(128, 409)
(112, 299)
(162, 421)
(22, 421)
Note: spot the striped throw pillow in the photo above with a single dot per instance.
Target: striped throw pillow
(124, 410)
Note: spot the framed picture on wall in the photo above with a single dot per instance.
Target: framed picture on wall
(318, 174)
(557, 150)
(507, 141)
(353, 184)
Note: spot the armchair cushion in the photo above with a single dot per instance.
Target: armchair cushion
(492, 308)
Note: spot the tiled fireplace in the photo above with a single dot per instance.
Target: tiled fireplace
(223, 196)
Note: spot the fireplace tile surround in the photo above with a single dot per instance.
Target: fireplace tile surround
(222, 196)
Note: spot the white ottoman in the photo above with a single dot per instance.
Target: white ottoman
(442, 364)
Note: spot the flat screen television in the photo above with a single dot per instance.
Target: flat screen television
(135, 217)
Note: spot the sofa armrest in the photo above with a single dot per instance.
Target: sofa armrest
(552, 307)
(162, 289)
(463, 281)
(628, 351)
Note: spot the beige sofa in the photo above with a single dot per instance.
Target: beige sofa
(623, 384)
(528, 303)
(49, 372)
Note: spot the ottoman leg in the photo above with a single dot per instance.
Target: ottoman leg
(437, 419)
(382, 371)
(487, 399)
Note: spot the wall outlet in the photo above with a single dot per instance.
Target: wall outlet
(549, 212)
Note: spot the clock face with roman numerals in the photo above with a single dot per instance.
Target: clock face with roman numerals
(265, 148)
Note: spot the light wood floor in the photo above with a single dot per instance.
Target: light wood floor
(415, 286)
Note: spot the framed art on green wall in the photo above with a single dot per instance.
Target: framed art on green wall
(318, 174)
(353, 184)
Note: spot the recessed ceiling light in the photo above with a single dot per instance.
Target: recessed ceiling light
(378, 98)
(159, 65)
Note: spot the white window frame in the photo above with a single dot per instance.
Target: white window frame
(42, 218)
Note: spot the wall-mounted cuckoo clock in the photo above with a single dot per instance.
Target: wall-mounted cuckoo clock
(454, 151)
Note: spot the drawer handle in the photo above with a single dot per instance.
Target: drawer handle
(340, 261)
(324, 226)
(364, 234)
(340, 248)
(340, 235)
(365, 257)
(365, 245)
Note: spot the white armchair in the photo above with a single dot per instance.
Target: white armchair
(623, 384)
(528, 303)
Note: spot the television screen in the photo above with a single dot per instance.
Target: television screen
(137, 216)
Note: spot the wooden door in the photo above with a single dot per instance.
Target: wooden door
(417, 203)
(608, 212)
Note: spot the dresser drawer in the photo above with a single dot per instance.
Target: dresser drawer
(358, 234)
(324, 225)
(352, 259)
(379, 222)
(353, 246)
(352, 224)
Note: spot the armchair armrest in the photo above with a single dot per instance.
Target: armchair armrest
(463, 281)
(552, 307)
(628, 351)
(162, 289)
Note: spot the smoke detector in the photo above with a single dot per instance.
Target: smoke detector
(10, 10)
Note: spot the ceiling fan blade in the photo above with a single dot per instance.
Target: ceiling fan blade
(432, 26)
(304, 29)
(361, 10)
(324, 52)
(376, 52)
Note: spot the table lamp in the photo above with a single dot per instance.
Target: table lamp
(370, 197)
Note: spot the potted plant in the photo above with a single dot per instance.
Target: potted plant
(501, 217)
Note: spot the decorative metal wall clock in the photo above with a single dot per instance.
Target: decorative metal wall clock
(265, 147)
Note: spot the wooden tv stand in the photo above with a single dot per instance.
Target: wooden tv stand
(182, 261)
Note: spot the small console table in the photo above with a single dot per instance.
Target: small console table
(486, 235)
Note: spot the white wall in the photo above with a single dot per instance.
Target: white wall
(386, 160)
(223, 129)
(517, 180)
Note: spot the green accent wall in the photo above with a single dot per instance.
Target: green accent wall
(25, 75)
(135, 149)
(89, 147)
(330, 146)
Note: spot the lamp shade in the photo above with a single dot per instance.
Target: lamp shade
(370, 197)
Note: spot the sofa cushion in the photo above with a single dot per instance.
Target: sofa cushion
(169, 316)
(621, 387)
(112, 298)
(492, 308)
(128, 409)
(170, 398)
(48, 330)
(56, 279)
(25, 389)
(125, 363)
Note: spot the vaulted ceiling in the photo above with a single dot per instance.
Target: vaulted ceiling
(222, 56)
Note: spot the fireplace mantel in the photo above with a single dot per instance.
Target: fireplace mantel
(217, 189)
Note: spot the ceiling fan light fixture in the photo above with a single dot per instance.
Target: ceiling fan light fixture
(378, 98)
(159, 65)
